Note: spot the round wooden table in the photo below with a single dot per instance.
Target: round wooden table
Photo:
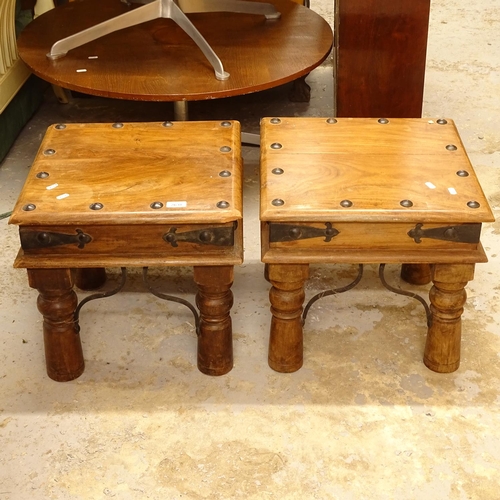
(157, 61)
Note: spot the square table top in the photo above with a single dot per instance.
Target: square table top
(368, 170)
(137, 173)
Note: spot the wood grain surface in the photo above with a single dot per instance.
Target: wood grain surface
(375, 166)
(157, 61)
(380, 51)
(128, 168)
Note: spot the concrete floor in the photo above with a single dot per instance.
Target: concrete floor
(363, 419)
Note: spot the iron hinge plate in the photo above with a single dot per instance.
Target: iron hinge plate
(217, 236)
(293, 232)
(461, 233)
(35, 240)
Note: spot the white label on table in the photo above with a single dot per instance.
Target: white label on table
(176, 204)
(62, 196)
(52, 186)
(430, 185)
(452, 190)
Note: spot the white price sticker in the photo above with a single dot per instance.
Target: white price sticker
(176, 204)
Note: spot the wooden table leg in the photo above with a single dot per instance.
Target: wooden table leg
(416, 274)
(90, 278)
(286, 346)
(57, 303)
(214, 300)
(447, 296)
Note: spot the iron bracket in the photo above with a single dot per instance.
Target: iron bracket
(462, 233)
(119, 288)
(290, 232)
(34, 240)
(217, 236)
(406, 293)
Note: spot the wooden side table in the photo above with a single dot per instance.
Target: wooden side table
(132, 195)
(360, 190)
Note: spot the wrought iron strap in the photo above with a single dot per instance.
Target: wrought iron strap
(291, 232)
(462, 233)
(32, 240)
(100, 295)
(406, 293)
(333, 291)
(123, 280)
(217, 236)
(351, 285)
(172, 298)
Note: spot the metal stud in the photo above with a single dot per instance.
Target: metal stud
(29, 207)
(441, 121)
(277, 171)
(473, 204)
(276, 145)
(224, 173)
(49, 152)
(275, 121)
(331, 121)
(463, 173)
(225, 124)
(42, 175)
(451, 147)
(225, 149)
(406, 203)
(205, 236)
(383, 121)
(346, 203)
(278, 202)
(117, 125)
(156, 205)
(167, 124)
(96, 206)
(223, 204)
(60, 126)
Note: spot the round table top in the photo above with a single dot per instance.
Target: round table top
(157, 61)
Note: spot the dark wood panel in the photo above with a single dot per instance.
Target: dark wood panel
(380, 57)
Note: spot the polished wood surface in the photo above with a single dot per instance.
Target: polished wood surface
(157, 61)
(187, 168)
(128, 168)
(214, 300)
(380, 52)
(311, 166)
(57, 303)
(380, 49)
(287, 295)
(447, 297)
(373, 165)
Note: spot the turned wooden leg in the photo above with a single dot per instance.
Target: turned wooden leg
(57, 303)
(90, 278)
(447, 296)
(416, 274)
(286, 347)
(214, 300)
